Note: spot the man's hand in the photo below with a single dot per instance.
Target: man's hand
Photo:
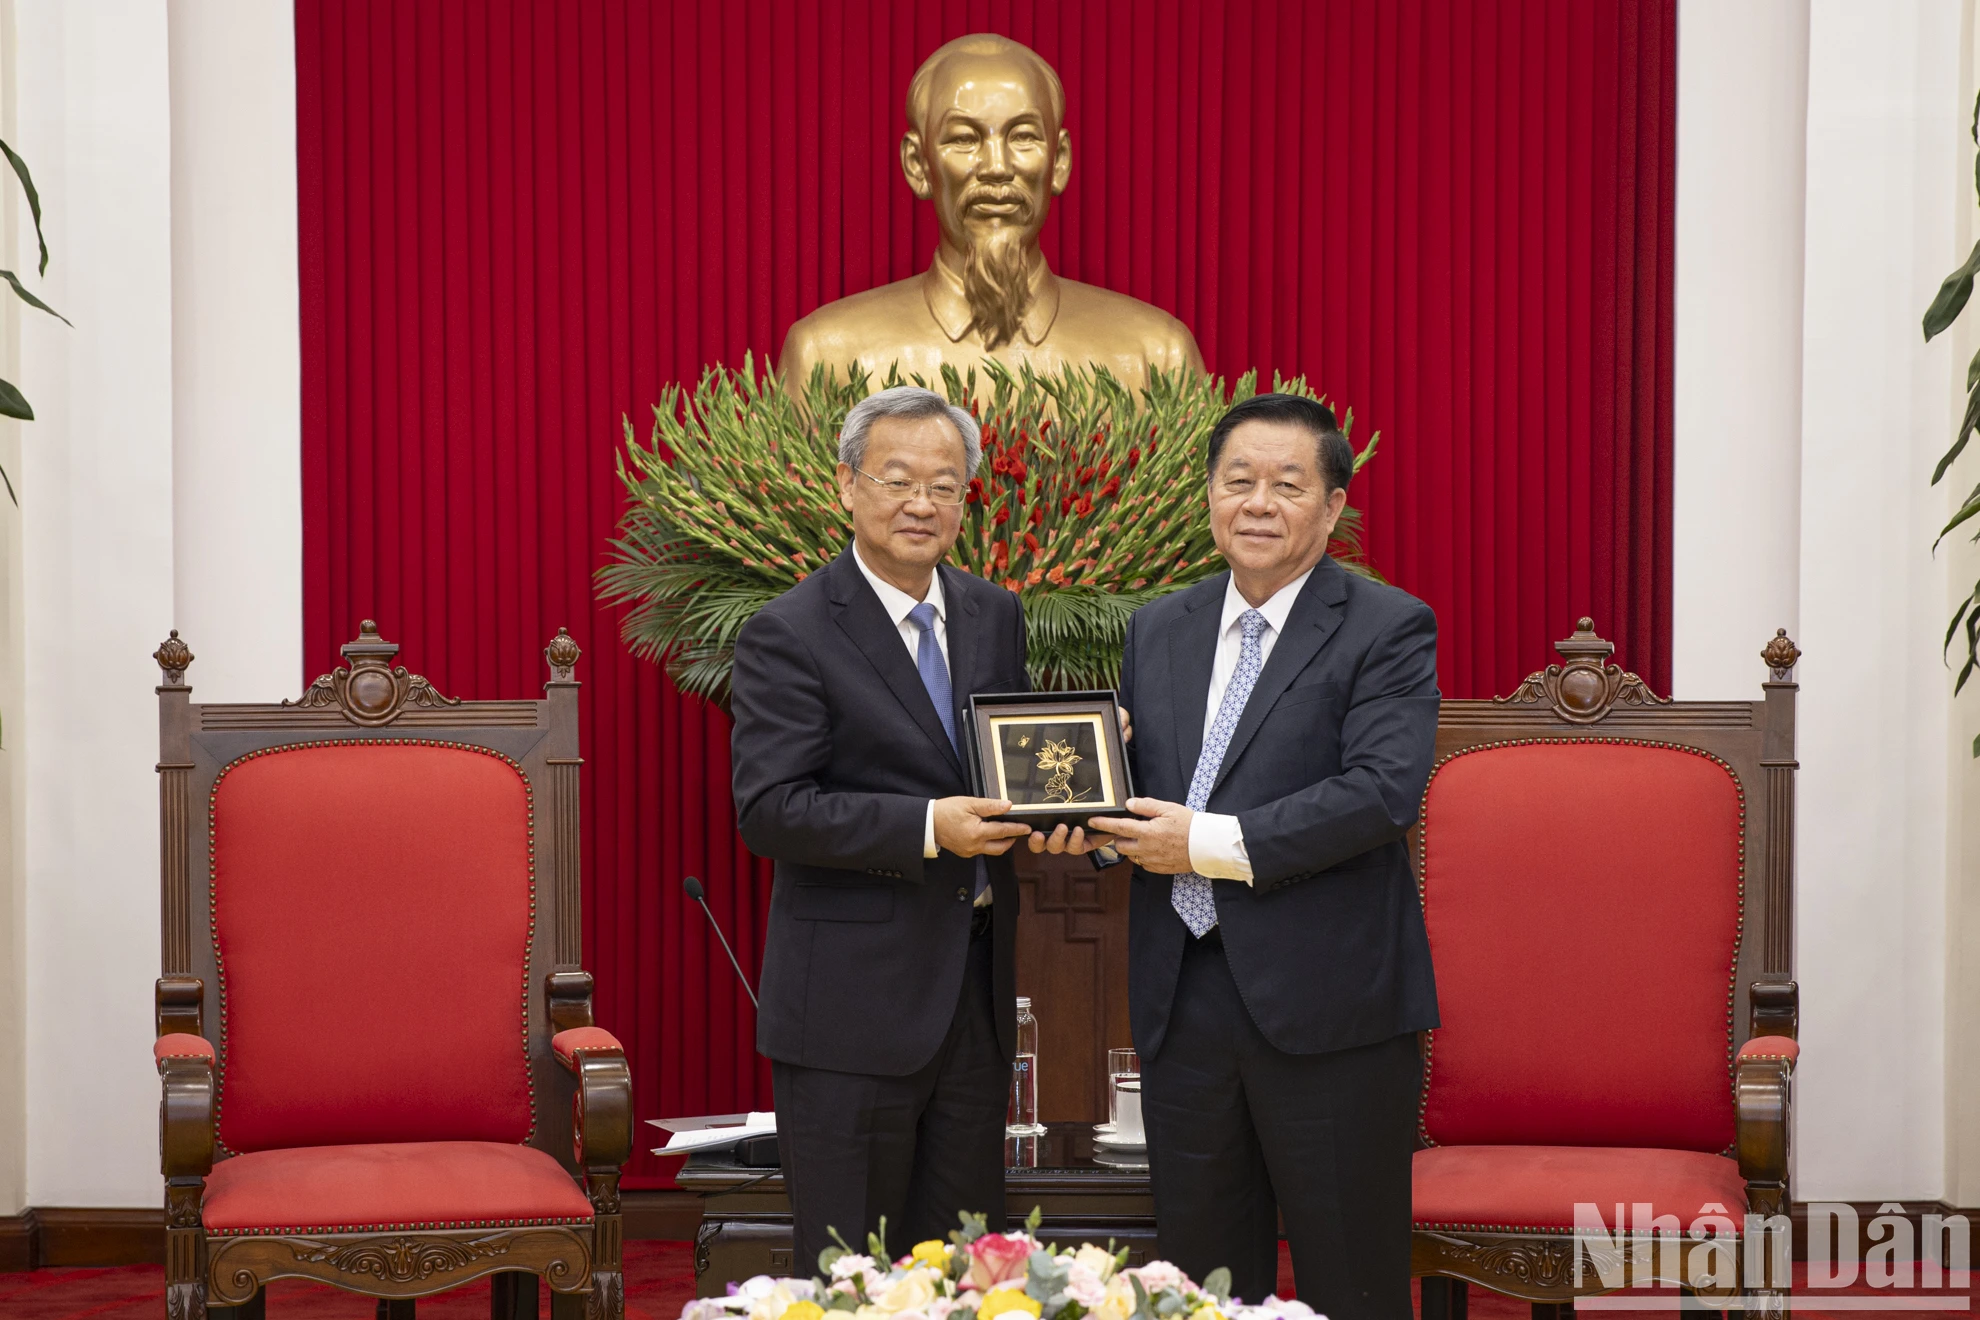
(962, 827)
(1127, 729)
(1077, 843)
(1159, 843)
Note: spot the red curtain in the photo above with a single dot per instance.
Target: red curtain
(519, 219)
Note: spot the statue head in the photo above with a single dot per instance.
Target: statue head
(986, 142)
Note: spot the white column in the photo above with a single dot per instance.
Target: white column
(236, 356)
(1887, 176)
(1742, 97)
(96, 513)
(13, 867)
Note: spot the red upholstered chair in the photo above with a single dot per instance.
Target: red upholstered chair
(1607, 880)
(380, 1069)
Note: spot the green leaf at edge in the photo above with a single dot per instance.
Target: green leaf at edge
(34, 201)
(33, 301)
(13, 403)
(1953, 293)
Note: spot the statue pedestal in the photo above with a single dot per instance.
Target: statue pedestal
(1072, 960)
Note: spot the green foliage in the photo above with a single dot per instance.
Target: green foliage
(1090, 504)
(12, 402)
(1951, 300)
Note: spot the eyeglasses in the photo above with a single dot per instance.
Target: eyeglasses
(938, 492)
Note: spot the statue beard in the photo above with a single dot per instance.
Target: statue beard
(996, 281)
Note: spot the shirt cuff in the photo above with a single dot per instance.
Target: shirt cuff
(928, 848)
(1216, 847)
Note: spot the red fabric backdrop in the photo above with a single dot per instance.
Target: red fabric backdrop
(518, 220)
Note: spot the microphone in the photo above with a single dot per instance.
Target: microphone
(700, 895)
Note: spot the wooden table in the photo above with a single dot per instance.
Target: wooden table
(1086, 1195)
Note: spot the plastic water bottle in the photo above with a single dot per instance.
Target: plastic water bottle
(1022, 1120)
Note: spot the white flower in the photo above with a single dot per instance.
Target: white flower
(1084, 1286)
(848, 1265)
(768, 1303)
(1159, 1274)
(706, 1308)
(912, 1291)
(1097, 1259)
(1116, 1302)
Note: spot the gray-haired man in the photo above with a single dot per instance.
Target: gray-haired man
(888, 1007)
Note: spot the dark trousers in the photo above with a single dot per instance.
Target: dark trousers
(1239, 1132)
(917, 1149)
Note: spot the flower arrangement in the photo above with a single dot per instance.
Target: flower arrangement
(1089, 505)
(980, 1275)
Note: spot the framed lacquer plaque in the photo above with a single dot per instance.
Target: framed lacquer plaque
(1057, 757)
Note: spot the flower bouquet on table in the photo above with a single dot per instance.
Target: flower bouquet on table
(980, 1275)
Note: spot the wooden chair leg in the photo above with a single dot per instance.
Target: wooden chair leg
(512, 1295)
(397, 1308)
(1553, 1311)
(569, 1306)
(1444, 1299)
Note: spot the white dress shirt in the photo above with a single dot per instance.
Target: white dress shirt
(1216, 844)
(897, 603)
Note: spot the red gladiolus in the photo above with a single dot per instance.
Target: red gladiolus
(1031, 543)
(976, 490)
(1000, 554)
(1033, 578)
(1085, 505)
(1037, 515)
(999, 466)
(1017, 468)
(1003, 516)
(1112, 488)
(1134, 457)
(1039, 489)
(1085, 475)
(1057, 577)
(1065, 505)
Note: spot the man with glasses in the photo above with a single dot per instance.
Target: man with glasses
(888, 997)
(1278, 970)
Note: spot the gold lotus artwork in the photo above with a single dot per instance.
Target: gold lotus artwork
(1059, 758)
(1055, 761)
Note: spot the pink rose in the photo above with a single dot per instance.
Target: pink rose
(997, 1257)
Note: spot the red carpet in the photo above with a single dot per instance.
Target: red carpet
(659, 1281)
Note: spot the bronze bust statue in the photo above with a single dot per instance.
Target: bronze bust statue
(986, 142)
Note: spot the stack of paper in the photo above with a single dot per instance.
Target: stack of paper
(711, 1132)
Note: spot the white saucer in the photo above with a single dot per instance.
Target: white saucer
(1103, 1129)
(1109, 1141)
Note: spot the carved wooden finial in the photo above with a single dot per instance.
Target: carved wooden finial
(1780, 654)
(1585, 689)
(562, 653)
(371, 690)
(174, 657)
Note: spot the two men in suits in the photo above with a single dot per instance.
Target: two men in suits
(1284, 715)
(887, 1005)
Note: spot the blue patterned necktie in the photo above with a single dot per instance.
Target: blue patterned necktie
(1190, 893)
(935, 677)
(934, 669)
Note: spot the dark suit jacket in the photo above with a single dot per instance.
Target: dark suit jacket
(1325, 774)
(837, 750)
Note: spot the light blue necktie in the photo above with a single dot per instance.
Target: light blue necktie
(935, 677)
(1190, 893)
(934, 670)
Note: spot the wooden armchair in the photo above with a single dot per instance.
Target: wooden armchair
(1607, 878)
(380, 1069)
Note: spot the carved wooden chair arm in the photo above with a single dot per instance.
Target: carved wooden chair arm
(185, 1114)
(1761, 1096)
(602, 1114)
(1774, 1006)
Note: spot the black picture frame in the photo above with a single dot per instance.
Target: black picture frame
(1012, 740)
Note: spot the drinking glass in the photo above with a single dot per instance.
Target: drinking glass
(1120, 1063)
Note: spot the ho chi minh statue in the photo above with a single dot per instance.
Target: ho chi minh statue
(987, 143)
